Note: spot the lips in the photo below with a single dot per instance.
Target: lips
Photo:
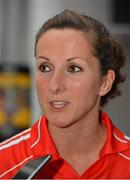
(58, 105)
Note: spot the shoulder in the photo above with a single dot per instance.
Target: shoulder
(126, 153)
(16, 151)
(121, 143)
(15, 141)
(117, 142)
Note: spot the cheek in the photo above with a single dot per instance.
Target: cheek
(40, 85)
(79, 91)
(41, 92)
(86, 90)
(87, 97)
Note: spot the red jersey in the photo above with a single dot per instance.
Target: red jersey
(113, 162)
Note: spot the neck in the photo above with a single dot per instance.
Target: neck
(80, 138)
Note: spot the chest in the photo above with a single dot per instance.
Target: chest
(107, 167)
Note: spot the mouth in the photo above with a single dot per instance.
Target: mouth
(58, 105)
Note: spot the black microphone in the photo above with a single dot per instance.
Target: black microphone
(30, 170)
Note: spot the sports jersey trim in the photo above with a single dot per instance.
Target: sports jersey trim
(127, 137)
(124, 156)
(14, 142)
(15, 136)
(119, 139)
(17, 165)
(39, 134)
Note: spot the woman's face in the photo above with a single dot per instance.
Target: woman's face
(68, 78)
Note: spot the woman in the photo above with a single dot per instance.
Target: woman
(77, 71)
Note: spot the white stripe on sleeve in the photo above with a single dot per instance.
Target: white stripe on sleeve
(16, 141)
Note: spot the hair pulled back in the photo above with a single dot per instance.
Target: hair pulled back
(109, 52)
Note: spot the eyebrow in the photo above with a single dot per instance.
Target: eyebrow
(43, 57)
(69, 59)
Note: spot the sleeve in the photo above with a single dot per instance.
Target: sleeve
(14, 153)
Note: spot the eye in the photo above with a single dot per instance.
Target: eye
(74, 69)
(44, 68)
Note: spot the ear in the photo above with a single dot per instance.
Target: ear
(107, 83)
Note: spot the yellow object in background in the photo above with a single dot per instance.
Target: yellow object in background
(15, 108)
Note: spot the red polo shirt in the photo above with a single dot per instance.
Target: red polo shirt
(113, 162)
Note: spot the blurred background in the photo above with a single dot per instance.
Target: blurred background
(19, 23)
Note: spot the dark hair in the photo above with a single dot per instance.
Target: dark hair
(109, 52)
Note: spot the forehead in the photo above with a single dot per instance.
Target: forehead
(66, 44)
(61, 33)
(66, 37)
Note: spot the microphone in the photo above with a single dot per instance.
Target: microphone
(30, 170)
(44, 162)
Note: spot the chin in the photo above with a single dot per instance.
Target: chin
(59, 122)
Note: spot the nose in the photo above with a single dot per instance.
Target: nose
(57, 83)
